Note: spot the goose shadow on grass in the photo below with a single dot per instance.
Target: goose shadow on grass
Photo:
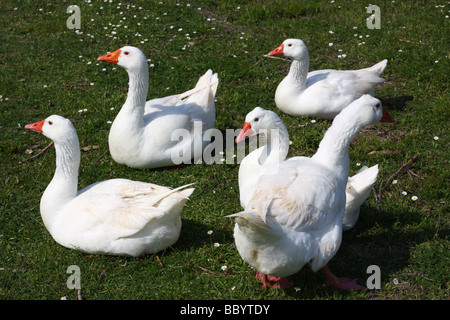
(396, 103)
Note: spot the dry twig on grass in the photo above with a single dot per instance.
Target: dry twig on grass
(37, 155)
(405, 166)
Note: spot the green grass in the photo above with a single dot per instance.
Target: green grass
(48, 69)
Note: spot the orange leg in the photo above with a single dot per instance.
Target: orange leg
(340, 283)
(272, 282)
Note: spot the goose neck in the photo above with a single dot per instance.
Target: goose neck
(298, 72)
(64, 184)
(67, 162)
(137, 89)
(333, 149)
(277, 146)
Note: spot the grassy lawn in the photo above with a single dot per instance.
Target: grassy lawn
(46, 68)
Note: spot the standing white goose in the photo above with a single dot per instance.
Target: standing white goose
(254, 165)
(295, 214)
(321, 93)
(114, 217)
(142, 135)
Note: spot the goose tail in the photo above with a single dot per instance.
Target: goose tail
(204, 92)
(252, 225)
(378, 68)
(358, 190)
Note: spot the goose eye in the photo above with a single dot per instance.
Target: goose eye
(378, 105)
(50, 122)
(290, 45)
(126, 53)
(256, 119)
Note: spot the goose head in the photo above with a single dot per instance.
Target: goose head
(259, 121)
(128, 57)
(291, 48)
(59, 129)
(364, 111)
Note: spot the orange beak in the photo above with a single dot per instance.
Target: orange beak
(277, 52)
(245, 132)
(112, 57)
(37, 126)
(386, 116)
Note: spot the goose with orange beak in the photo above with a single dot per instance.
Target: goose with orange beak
(112, 217)
(294, 215)
(321, 93)
(142, 134)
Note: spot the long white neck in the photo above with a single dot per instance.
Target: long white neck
(64, 185)
(137, 87)
(134, 105)
(333, 149)
(298, 73)
(127, 130)
(277, 146)
(256, 163)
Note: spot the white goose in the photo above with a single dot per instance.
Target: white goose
(253, 166)
(146, 134)
(114, 217)
(321, 93)
(295, 214)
